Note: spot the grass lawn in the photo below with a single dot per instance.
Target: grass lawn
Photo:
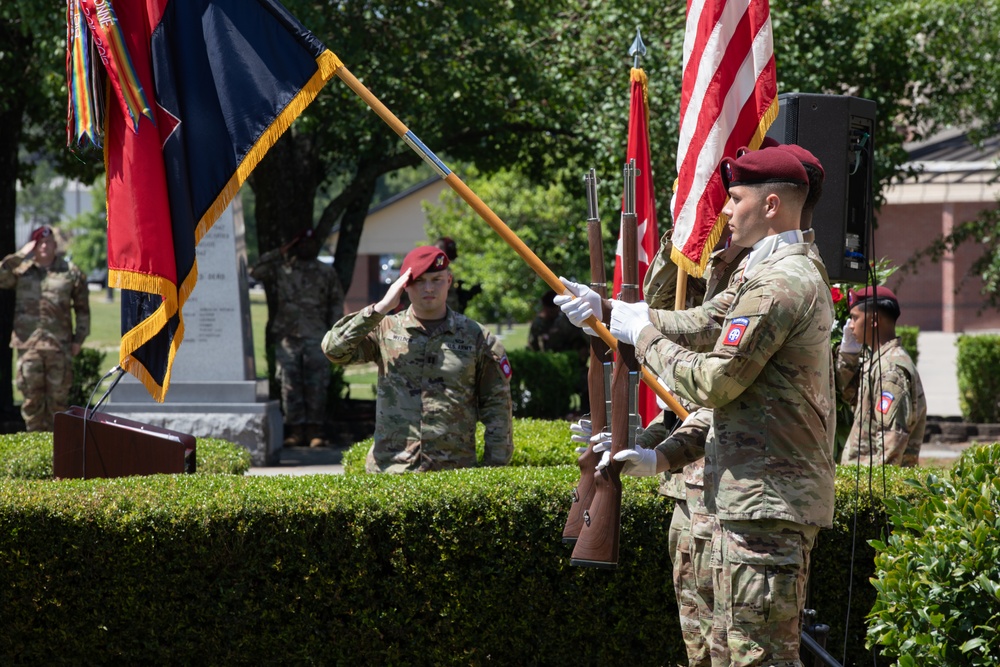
(105, 335)
(105, 327)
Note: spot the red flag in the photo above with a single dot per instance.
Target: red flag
(645, 209)
(728, 100)
(229, 77)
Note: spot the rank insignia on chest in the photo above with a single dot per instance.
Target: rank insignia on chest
(505, 367)
(885, 402)
(736, 330)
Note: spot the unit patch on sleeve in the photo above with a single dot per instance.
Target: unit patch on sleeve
(505, 367)
(885, 402)
(736, 330)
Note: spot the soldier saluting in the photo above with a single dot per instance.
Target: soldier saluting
(49, 291)
(438, 373)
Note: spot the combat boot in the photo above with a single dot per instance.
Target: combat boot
(316, 437)
(293, 435)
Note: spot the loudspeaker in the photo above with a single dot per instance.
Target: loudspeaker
(101, 445)
(840, 131)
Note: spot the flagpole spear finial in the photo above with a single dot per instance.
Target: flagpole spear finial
(638, 49)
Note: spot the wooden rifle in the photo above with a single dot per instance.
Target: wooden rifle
(598, 374)
(597, 545)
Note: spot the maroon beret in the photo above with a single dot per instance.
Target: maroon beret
(41, 233)
(767, 142)
(871, 292)
(424, 259)
(768, 165)
(447, 244)
(804, 156)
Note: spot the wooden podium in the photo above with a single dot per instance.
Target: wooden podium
(104, 445)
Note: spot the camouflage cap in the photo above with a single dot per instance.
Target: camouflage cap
(424, 259)
(768, 165)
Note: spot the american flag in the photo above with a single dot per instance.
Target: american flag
(728, 100)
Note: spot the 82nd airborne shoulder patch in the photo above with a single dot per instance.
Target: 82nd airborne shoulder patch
(885, 402)
(737, 328)
(505, 367)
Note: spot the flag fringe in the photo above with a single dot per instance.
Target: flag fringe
(174, 296)
(766, 119)
(142, 332)
(639, 75)
(327, 65)
(697, 269)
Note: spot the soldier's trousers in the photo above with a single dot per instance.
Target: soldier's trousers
(690, 548)
(304, 373)
(761, 570)
(44, 378)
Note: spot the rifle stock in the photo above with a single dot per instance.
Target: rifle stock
(583, 494)
(597, 545)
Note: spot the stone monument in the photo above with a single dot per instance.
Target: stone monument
(214, 391)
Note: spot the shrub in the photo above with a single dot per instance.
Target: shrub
(536, 443)
(543, 383)
(908, 338)
(938, 574)
(979, 377)
(453, 568)
(28, 455)
(86, 374)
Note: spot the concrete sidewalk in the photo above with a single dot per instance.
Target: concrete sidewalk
(304, 461)
(937, 365)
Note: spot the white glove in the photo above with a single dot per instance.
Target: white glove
(628, 320)
(602, 446)
(850, 344)
(581, 433)
(583, 303)
(639, 462)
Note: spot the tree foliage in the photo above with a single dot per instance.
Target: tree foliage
(89, 243)
(542, 216)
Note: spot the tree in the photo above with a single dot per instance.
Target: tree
(89, 243)
(32, 122)
(41, 200)
(544, 217)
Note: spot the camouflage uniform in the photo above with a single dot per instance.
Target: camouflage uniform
(432, 388)
(890, 412)
(769, 465)
(692, 525)
(309, 299)
(46, 300)
(555, 334)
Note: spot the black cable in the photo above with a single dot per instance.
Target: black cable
(87, 413)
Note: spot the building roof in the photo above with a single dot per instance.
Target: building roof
(950, 168)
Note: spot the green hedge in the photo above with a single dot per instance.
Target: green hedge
(544, 384)
(28, 455)
(536, 443)
(908, 339)
(453, 568)
(979, 377)
(938, 577)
